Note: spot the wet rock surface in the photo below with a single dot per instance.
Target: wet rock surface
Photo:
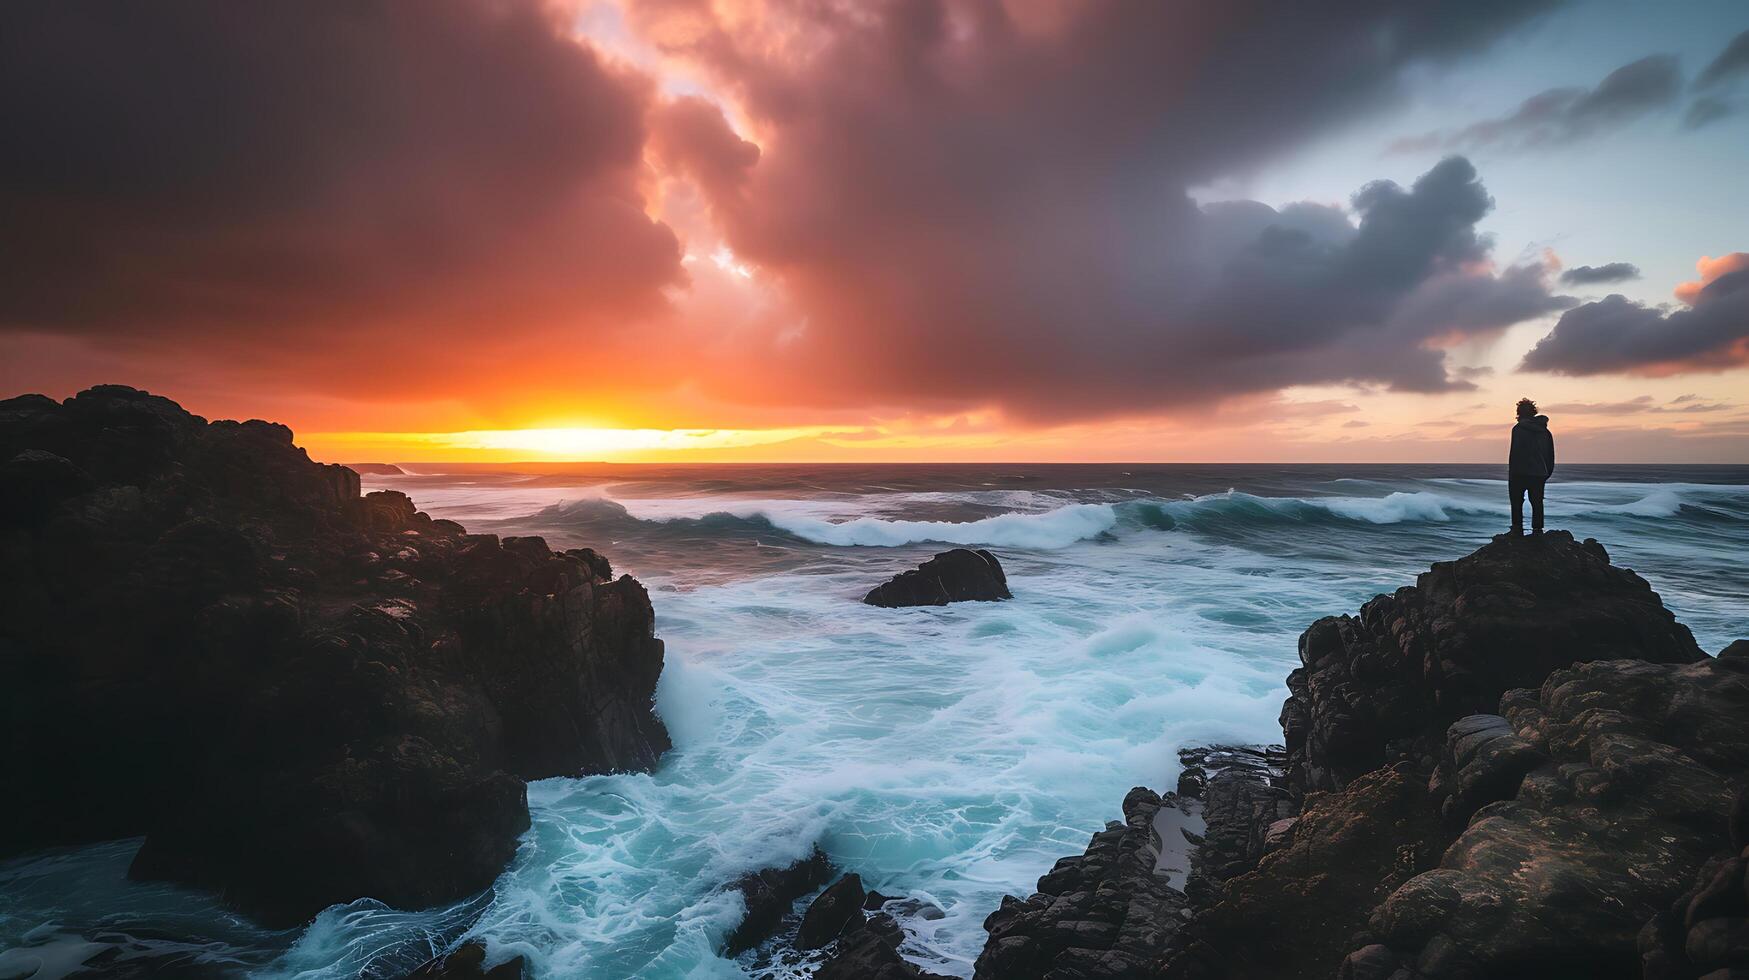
(770, 893)
(1294, 915)
(468, 962)
(298, 695)
(959, 575)
(870, 951)
(1105, 913)
(837, 909)
(1241, 797)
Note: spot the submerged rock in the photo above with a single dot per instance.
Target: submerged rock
(298, 696)
(952, 576)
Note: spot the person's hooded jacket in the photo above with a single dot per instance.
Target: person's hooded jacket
(1533, 449)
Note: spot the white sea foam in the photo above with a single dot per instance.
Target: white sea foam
(1053, 529)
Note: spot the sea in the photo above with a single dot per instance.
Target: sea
(947, 755)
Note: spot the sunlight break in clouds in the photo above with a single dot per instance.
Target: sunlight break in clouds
(577, 443)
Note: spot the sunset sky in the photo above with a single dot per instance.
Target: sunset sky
(917, 230)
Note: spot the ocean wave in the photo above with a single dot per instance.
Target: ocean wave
(1658, 503)
(837, 525)
(1233, 505)
(1052, 529)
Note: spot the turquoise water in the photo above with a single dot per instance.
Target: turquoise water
(950, 755)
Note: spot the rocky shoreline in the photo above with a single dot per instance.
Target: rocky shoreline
(1520, 767)
(296, 694)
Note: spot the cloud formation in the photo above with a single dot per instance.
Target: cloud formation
(1618, 335)
(1558, 116)
(1731, 64)
(1591, 275)
(1715, 82)
(313, 183)
(967, 214)
(928, 204)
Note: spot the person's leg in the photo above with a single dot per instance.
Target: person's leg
(1536, 506)
(1516, 488)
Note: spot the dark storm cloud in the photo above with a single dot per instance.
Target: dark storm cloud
(1616, 335)
(971, 206)
(286, 175)
(1559, 116)
(961, 203)
(1591, 275)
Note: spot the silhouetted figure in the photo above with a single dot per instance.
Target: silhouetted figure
(1530, 465)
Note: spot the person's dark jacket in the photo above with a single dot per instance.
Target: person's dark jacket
(1533, 449)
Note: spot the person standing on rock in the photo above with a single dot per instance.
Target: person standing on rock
(1529, 466)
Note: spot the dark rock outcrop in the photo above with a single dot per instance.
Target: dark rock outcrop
(769, 894)
(1241, 798)
(468, 962)
(952, 576)
(1294, 915)
(1104, 914)
(838, 908)
(1485, 760)
(1645, 760)
(376, 469)
(1385, 685)
(870, 951)
(1521, 767)
(298, 696)
(1703, 930)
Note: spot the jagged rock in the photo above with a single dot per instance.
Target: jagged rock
(1485, 760)
(1385, 685)
(1242, 796)
(952, 576)
(837, 909)
(870, 951)
(1646, 760)
(468, 962)
(769, 894)
(296, 695)
(1104, 914)
(1293, 916)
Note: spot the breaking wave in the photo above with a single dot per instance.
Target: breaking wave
(1064, 524)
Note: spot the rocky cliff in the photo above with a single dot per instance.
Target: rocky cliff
(296, 694)
(1520, 767)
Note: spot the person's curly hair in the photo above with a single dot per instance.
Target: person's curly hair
(1526, 408)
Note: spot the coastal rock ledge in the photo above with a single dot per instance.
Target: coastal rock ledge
(1521, 767)
(297, 695)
